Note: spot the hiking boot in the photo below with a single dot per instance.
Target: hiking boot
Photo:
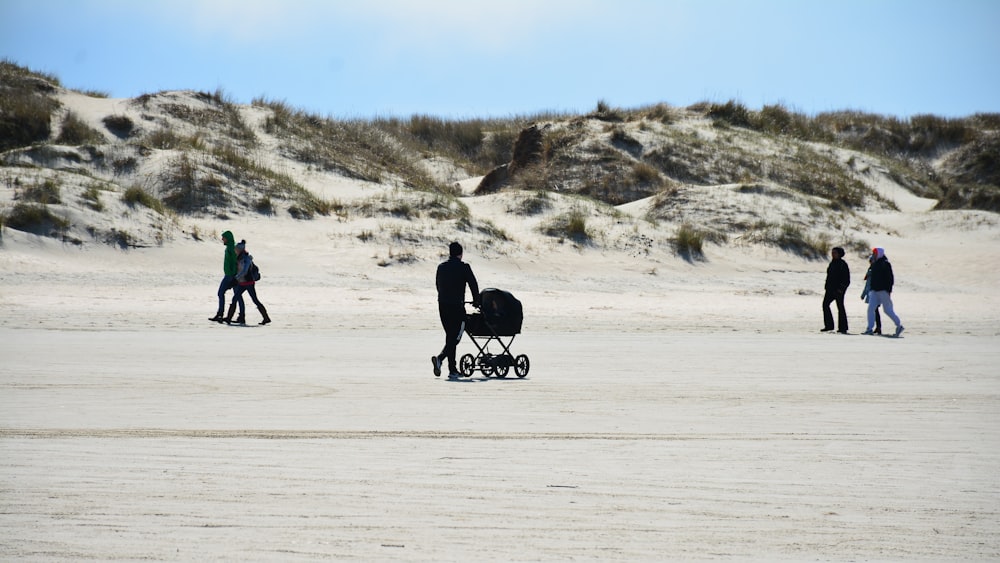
(436, 362)
(229, 314)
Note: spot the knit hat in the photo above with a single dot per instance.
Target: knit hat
(878, 253)
(240, 246)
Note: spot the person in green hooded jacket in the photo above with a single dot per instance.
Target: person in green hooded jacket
(229, 271)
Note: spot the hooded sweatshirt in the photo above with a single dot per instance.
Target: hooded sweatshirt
(229, 262)
(881, 272)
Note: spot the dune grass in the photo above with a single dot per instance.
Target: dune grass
(571, 225)
(789, 237)
(528, 203)
(75, 131)
(135, 195)
(689, 242)
(25, 105)
(35, 218)
(352, 148)
(45, 192)
(92, 192)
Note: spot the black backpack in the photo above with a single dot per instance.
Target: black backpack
(254, 272)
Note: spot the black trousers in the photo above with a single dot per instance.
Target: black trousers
(453, 321)
(238, 297)
(838, 297)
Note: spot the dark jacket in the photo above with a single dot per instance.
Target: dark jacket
(881, 275)
(838, 276)
(452, 277)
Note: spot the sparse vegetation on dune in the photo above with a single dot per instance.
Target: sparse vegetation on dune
(138, 196)
(793, 238)
(200, 153)
(46, 192)
(412, 205)
(74, 131)
(688, 242)
(571, 225)
(351, 148)
(35, 218)
(26, 107)
(91, 197)
(530, 203)
(974, 170)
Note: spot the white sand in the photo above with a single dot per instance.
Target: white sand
(694, 413)
(673, 410)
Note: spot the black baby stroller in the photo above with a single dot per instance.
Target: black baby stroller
(499, 317)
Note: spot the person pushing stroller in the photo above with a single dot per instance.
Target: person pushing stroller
(452, 278)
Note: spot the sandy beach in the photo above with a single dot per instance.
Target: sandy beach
(675, 408)
(675, 420)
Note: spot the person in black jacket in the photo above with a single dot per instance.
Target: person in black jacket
(452, 278)
(838, 278)
(882, 281)
(867, 290)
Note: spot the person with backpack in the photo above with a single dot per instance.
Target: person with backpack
(247, 275)
(229, 273)
(882, 281)
(867, 291)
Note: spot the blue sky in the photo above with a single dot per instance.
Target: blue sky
(469, 58)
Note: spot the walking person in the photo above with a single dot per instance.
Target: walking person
(246, 279)
(882, 280)
(452, 278)
(838, 278)
(867, 290)
(229, 274)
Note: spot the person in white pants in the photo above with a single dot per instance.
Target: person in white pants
(882, 280)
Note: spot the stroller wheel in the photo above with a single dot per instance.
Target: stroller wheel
(521, 365)
(467, 365)
(502, 370)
